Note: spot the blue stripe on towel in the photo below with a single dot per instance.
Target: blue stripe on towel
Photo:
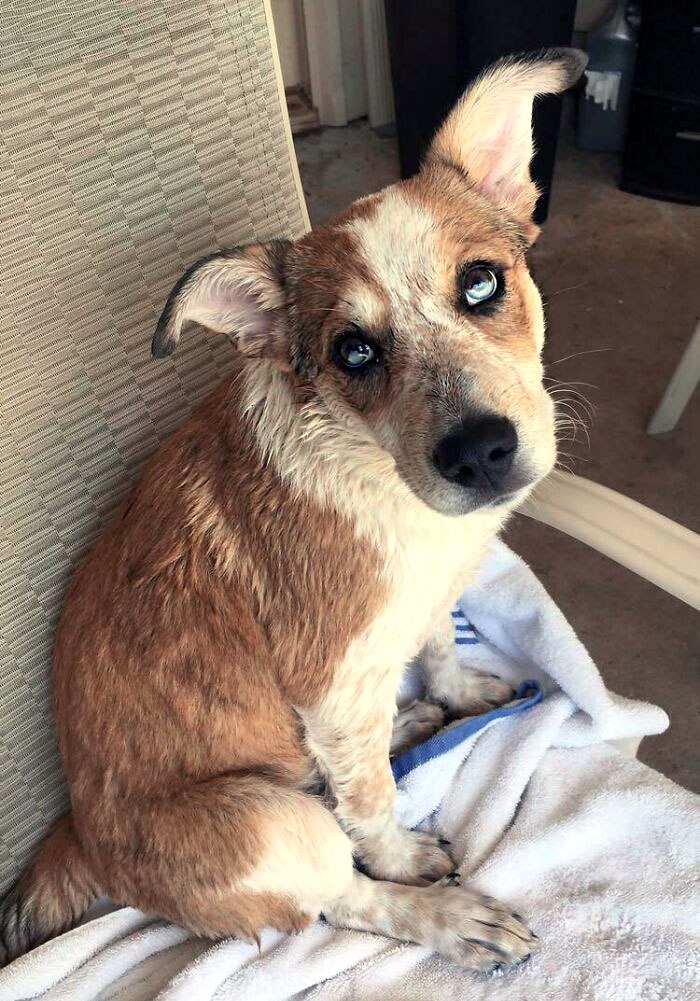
(465, 634)
(529, 693)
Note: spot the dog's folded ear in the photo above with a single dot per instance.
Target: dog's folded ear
(488, 134)
(239, 293)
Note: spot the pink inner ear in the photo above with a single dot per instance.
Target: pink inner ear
(494, 180)
(230, 308)
(505, 149)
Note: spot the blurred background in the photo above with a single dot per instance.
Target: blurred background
(618, 262)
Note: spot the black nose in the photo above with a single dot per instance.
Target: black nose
(479, 454)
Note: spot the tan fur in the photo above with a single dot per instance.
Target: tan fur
(215, 620)
(415, 723)
(470, 929)
(488, 135)
(228, 655)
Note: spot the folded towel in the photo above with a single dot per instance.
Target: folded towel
(600, 852)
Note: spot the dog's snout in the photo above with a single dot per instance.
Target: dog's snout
(478, 454)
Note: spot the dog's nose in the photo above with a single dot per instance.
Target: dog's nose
(479, 454)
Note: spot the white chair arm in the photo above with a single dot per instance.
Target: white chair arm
(651, 545)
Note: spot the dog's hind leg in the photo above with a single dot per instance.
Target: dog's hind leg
(256, 854)
(461, 924)
(231, 855)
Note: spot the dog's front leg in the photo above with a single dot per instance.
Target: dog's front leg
(350, 742)
(464, 691)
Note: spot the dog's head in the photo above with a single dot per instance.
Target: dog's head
(413, 313)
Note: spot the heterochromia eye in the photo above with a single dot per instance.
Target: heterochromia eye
(478, 284)
(353, 352)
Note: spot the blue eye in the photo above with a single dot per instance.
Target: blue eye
(478, 284)
(353, 352)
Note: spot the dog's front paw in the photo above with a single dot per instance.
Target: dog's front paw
(413, 857)
(414, 724)
(474, 693)
(426, 859)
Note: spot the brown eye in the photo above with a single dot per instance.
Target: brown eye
(353, 351)
(478, 284)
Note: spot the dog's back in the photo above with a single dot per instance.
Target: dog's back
(193, 627)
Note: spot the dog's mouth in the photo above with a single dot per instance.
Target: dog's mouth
(485, 461)
(476, 464)
(465, 500)
(454, 499)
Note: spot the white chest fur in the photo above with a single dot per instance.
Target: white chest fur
(428, 559)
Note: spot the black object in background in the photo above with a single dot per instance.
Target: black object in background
(436, 48)
(662, 149)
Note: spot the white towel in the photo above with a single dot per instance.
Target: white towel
(600, 852)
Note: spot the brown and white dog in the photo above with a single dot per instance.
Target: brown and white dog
(226, 664)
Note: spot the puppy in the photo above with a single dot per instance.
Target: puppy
(226, 664)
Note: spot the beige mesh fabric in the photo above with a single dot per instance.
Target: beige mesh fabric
(135, 136)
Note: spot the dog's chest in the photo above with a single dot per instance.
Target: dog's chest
(423, 576)
(425, 568)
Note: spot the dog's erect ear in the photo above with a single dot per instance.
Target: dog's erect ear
(488, 134)
(239, 293)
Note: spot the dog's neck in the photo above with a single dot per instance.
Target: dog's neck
(336, 463)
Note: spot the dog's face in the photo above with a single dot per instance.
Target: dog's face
(416, 312)
(412, 316)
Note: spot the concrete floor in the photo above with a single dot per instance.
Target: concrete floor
(619, 275)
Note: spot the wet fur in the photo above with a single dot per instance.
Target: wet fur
(226, 662)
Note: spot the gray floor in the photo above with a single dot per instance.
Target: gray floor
(619, 275)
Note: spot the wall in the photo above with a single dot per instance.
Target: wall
(289, 29)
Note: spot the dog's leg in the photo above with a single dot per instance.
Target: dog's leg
(413, 724)
(257, 854)
(235, 854)
(463, 690)
(229, 856)
(350, 740)
(463, 925)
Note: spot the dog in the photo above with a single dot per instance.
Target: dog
(227, 660)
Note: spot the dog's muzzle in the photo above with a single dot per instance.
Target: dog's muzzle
(478, 454)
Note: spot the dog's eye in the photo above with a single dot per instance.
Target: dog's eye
(353, 351)
(479, 283)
